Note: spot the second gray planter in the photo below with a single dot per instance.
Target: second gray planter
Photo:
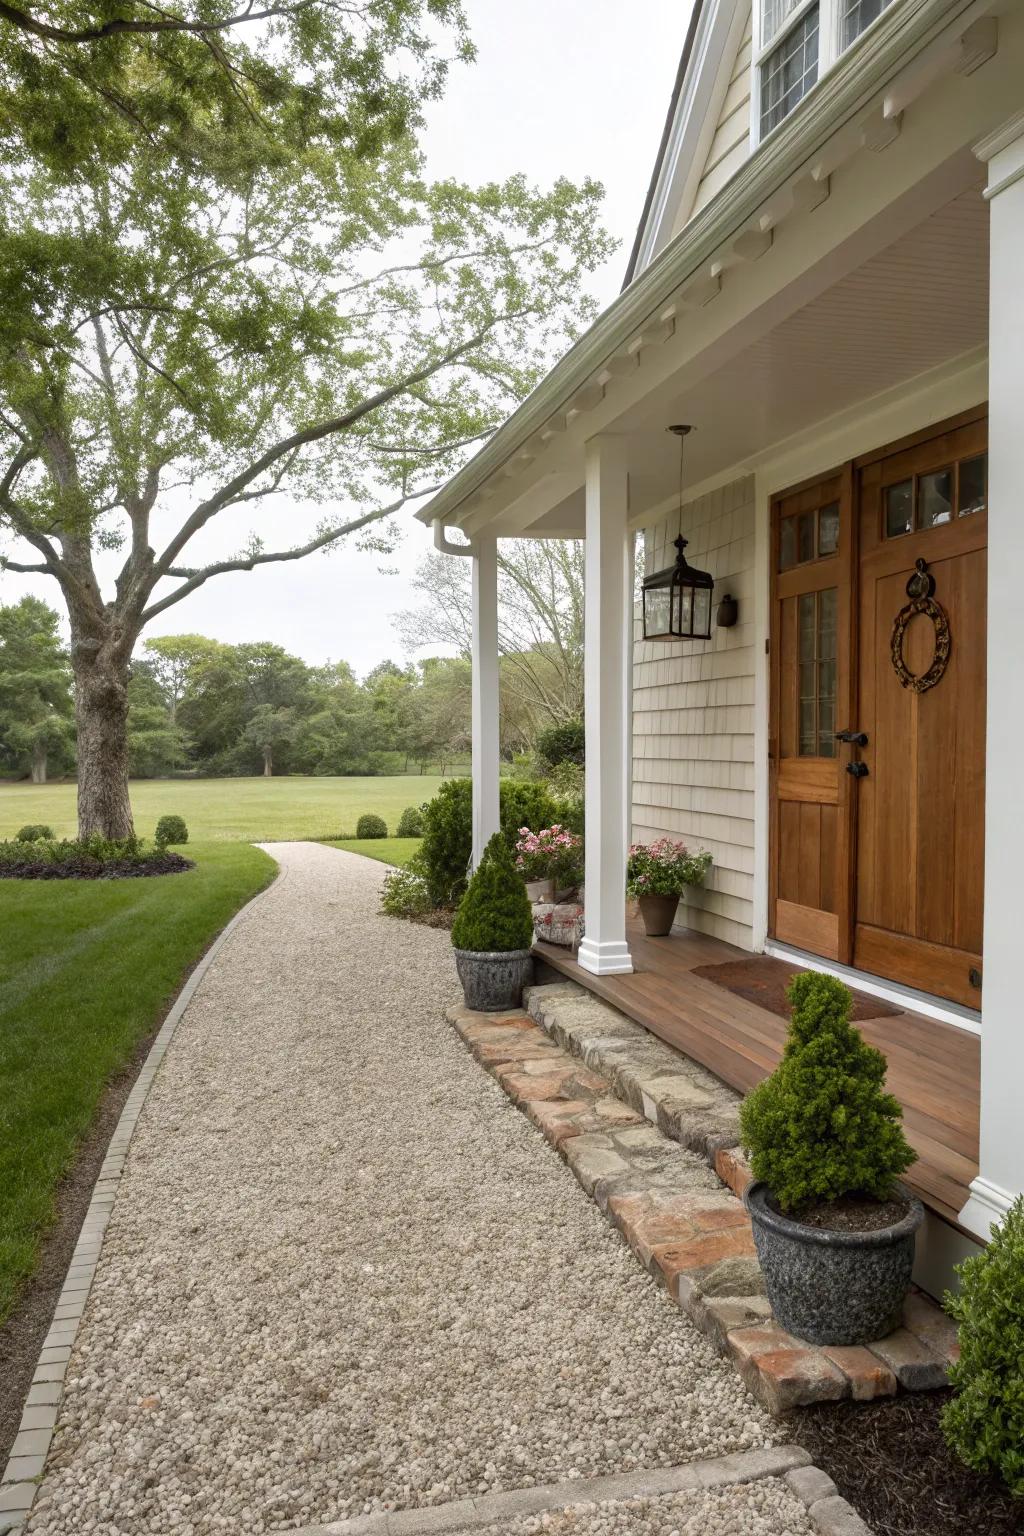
(833, 1287)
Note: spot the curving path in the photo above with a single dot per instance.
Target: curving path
(343, 1274)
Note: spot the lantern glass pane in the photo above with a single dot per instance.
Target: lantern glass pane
(702, 612)
(684, 610)
(656, 611)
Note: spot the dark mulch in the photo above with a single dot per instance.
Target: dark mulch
(86, 868)
(22, 1335)
(766, 981)
(440, 917)
(853, 1215)
(890, 1460)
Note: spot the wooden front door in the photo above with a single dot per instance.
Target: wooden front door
(878, 637)
(921, 804)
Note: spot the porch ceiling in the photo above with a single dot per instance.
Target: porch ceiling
(919, 303)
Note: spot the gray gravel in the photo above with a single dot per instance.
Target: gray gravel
(344, 1274)
(764, 1508)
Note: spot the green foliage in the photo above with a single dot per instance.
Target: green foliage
(821, 1126)
(36, 709)
(171, 830)
(664, 868)
(565, 743)
(90, 858)
(371, 826)
(34, 832)
(405, 893)
(410, 823)
(494, 914)
(567, 783)
(984, 1422)
(448, 830)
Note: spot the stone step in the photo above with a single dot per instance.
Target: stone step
(580, 1077)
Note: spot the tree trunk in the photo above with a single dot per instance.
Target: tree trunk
(268, 762)
(39, 755)
(101, 715)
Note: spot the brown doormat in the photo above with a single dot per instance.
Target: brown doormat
(765, 981)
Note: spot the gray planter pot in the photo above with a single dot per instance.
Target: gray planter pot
(833, 1287)
(492, 980)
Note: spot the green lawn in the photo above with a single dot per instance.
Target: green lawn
(389, 850)
(86, 969)
(223, 809)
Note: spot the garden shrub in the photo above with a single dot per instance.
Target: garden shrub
(410, 822)
(448, 830)
(371, 826)
(171, 829)
(495, 913)
(94, 858)
(984, 1422)
(35, 832)
(821, 1126)
(405, 893)
(564, 743)
(567, 784)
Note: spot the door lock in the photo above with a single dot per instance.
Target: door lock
(857, 770)
(852, 738)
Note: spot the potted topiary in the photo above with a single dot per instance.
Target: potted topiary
(657, 874)
(834, 1231)
(493, 933)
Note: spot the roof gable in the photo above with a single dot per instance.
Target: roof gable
(707, 132)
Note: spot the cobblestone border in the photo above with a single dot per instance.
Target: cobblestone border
(26, 1463)
(490, 1509)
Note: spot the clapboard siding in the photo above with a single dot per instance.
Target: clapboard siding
(693, 717)
(731, 143)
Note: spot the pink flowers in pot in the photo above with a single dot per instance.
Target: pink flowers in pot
(553, 853)
(664, 868)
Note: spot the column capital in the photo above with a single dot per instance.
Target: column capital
(1003, 152)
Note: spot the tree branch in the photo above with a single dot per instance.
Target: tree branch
(41, 29)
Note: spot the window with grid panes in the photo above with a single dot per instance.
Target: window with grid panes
(798, 41)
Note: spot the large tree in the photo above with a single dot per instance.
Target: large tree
(192, 321)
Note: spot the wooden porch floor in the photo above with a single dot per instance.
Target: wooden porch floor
(934, 1068)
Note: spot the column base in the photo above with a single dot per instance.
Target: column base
(987, 1205)
(608, 959)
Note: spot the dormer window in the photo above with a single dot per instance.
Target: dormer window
(799, 41)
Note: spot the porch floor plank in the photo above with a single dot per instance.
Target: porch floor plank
(934, 1068)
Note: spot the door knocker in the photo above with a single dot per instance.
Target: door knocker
(920, 588)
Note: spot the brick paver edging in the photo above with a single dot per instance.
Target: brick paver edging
(24, 1470)
(650, 1137)
(831, 1515)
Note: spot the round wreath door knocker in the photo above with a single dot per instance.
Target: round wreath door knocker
(920, 588)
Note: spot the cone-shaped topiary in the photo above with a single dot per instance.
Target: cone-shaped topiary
(821, 1126)
(984, 1423)
(494, 916)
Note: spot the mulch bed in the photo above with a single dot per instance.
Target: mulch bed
(86, 868)
(765, 981)
(890, 1460)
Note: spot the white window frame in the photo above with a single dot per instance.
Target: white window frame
(830, 49)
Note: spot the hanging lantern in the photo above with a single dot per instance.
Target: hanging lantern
(677, 601)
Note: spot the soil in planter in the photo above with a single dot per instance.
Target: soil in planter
(890, 1460)
(852, 1214)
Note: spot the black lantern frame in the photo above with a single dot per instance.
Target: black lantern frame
(677, 601)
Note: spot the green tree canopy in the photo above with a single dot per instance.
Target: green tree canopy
(36, 711)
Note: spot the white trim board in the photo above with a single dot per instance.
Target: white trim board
(889, 991)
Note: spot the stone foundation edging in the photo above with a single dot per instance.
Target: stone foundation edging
(600, 1090)
(27, 1461)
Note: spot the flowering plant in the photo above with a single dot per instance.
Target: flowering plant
(663, 868)
(553, 853)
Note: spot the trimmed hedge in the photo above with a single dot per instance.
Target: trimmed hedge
(369, 826)
(35, 832)
(410, 822)
(495, 914)
(171, 829)
(448, 831)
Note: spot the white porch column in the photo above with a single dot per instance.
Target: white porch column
(1002, 1024)
(486, 814)
(608, 641)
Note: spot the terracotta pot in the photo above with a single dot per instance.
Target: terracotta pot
(540, 890)
(658, 913)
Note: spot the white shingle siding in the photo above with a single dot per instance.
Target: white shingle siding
(693, 716)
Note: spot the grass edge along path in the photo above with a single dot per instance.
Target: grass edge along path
(386, 850)
(87, 969)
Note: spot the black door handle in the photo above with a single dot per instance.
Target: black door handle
(857, 770)
(853, 738)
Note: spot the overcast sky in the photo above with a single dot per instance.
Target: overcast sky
(560, 87)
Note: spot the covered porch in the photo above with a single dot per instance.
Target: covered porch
(852, 289)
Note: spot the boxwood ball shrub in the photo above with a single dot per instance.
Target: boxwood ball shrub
(410, 823)
(448, 830)
(984, 1421)
(35, 832)
(371, 826)
(821, 1126)
(170, 829)
(564, 743)
(495, 913)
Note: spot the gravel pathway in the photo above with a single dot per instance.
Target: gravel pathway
(764, 1508)
(344, 1274)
